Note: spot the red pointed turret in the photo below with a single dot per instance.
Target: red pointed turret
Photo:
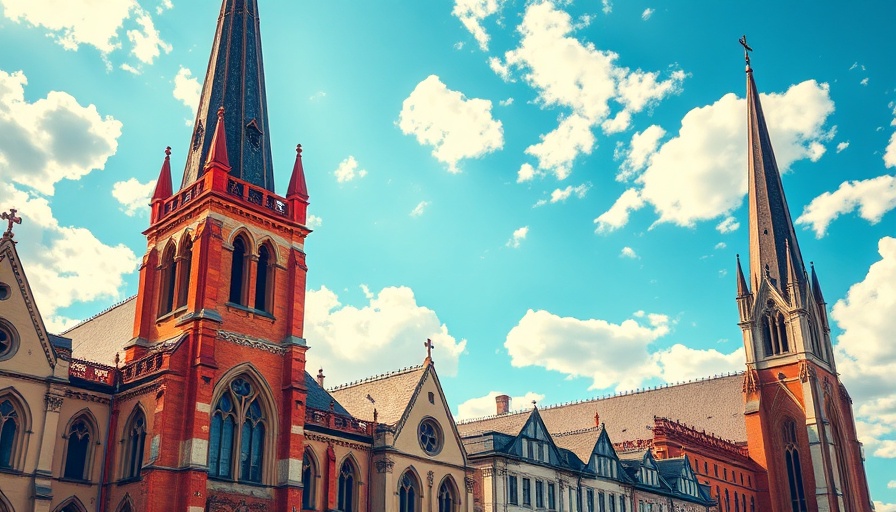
(217, 154)
(297, 192)
(163, 187)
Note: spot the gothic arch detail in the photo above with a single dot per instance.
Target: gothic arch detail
(73, 504)
(15, 426)
(81, 436)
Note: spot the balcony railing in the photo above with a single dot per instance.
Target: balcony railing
(338, 421)
(142, 367)
(92, 372)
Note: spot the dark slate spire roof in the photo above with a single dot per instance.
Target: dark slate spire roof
(771, 228)
(235, 81)
(742, 288)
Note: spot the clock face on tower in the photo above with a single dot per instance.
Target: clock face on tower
(430, 436)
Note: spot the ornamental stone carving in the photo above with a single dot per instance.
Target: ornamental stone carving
(54, 403)
(384, 465)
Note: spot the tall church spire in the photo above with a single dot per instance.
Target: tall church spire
(235, 81)
(771, 228)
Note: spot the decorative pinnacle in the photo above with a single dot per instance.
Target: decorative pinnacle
(747, 50)
(221, 112)
(11, 219)
(299, 149)
(168, 153)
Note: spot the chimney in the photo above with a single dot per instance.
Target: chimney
(320, 377)
(503, 403)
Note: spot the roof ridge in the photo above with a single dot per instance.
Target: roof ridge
(578, 431)
(636, 391)
(97, 315)
(375, 378)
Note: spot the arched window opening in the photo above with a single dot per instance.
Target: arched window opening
(727, 501)
(125, 505)
(135, 439)
(408, 493)
(72, 505)
(447, 497)
(185, 268)
(346, 497)
(767, 336)
(77, 454)
(840, 454)
(10, 430)
(168, 281)
(794, 469)
(264, 280)
(736, 502)
(238, 274)
(309, 481)
(782, 334)
(236, 441)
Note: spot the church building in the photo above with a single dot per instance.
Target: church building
(193, 395)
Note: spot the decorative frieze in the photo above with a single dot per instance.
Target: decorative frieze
(384, 464)
(54, 403)
(247, 341)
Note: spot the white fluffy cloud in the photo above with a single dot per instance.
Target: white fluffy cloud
(65, 264)
(133, 195)
(647, 14)
(728, 225)
(455, 126)
(873, 198)
(485, 405)
(52, 139)
(611, 355)
(577, 76)
(560, 195)
(517, 237)
(314, 222)
(348, 170)
(187, 89)
(73, 23)
(643, 146)
(628, 252)
(890, 151)
(700, 173)
(384, 334)
(866, 354)
(526, 173)
(472, 12)
(617, 215)
(419, 209)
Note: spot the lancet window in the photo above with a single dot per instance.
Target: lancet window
(168, 280)
(239, 271)
(448, 501)
(408, 493)
(774, 332)
(10, 433)
(309, 481)
(78, 452)
(135, 440)
(184, 269)
(237, 434)
(794, 469)
(264, 279)
(347, 486)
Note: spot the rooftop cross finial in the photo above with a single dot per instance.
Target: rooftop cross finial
(11, 219)
(429, 346)
(747, 49)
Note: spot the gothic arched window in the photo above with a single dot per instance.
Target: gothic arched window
(264, 279)
(77, 452)
(10, 432)
(167, 280)
(238, 274)
(408, 493)
(184, 268)
(448, 501)
(309, 481)
(782, 334)
(347, 485)
(236, 440)
(135, 439)
(794, 469)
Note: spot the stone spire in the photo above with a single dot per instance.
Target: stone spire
(742, 288)
(235, 81)
(163, 187)
(771, 228)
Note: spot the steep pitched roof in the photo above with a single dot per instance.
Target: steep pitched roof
(714, 404)
(102, 336)
(320, 398)
(389, 394)
(580, 442)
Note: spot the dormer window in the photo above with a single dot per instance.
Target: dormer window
(606, 466)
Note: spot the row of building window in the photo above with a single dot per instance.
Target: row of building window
(546, 496)
(734, 474)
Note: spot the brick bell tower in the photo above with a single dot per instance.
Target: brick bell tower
(218, 333)
(799, 418)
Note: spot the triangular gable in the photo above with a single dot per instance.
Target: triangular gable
(686, 471)
(649, 462)
(21, 313)
(419, 405)
(535, 443)
(604, 449)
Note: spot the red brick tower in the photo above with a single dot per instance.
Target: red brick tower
(799, 417)
(211, 411)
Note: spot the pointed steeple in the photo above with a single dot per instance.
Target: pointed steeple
(235, 80)
(217, 154)
(163, 188)
(163, 184)
(771, 227)
(297, 186)
(816, 287)
(742, 288)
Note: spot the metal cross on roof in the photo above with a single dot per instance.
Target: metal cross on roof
(429, 346)
(11, 219)
(747, 49)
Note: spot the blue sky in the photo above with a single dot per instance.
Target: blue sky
(552, 191)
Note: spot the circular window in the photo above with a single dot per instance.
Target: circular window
(4, 291)
(430, 435)
(8, 341)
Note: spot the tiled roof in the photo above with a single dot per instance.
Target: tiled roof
(389, 394)
(319, 398)
(714, 405)
(580, 442)
(670, 469)
(100, 337)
